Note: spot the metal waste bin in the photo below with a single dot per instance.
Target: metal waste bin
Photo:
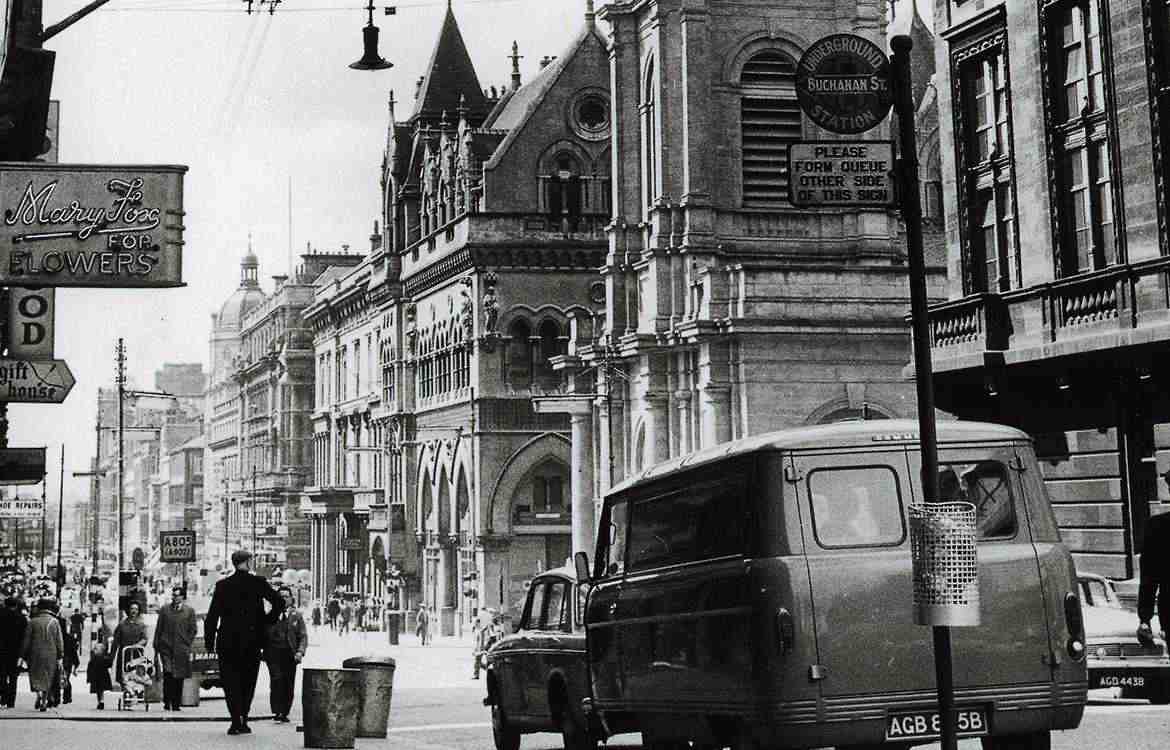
(943, 553)
(377, 688)
(392, 627)
(330, 702)
(190, 697)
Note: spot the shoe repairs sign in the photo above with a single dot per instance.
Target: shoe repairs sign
(88, 225)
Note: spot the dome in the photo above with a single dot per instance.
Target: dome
(248, 296)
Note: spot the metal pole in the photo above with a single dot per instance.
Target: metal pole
(121, 356)
(95, 489)
(254, 551)
(60, 521)
(44, 493)
(912, 213)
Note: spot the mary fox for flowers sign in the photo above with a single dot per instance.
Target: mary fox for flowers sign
(91, 225)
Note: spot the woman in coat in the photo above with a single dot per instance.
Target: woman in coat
(130, 632)
(173, 634)
(43, 649)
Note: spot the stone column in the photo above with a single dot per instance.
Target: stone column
(580, 411)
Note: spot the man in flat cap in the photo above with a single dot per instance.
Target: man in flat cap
(235, 629)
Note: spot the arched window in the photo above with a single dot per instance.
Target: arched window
(769, 121)
(649, 141)
(551, 345)
(564, 191)
(519, 355)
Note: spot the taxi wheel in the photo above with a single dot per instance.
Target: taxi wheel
(504, 735)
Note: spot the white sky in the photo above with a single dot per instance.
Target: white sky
(248, 103)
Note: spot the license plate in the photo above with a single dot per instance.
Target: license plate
(916, 725)
(1127, 678)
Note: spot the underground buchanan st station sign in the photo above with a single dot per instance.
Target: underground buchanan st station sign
(91, 225)
(843, 83)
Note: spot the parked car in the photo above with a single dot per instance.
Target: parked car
(1115, 657)
(536, 677)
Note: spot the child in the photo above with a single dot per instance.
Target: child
(97, 673)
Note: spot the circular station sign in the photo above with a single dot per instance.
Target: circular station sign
(843, 83)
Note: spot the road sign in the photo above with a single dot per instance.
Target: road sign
(843, 83)
(21, 507)
(176, 546)
(91, 225)
(22, 465)
(45, 381)
(853, 174)
(30, 322)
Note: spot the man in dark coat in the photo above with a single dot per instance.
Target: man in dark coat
(235, 628)
(287, 641)
(173, 634)
(12, 625)
(1154, 587)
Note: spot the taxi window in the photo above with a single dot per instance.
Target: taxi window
(985, 485)
(555, 615)
(856, 507)
(535, 608)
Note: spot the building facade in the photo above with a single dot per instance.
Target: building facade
(1054, 124)
(727, 311)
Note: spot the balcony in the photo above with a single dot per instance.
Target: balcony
(1094, 312)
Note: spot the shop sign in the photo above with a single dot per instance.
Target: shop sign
(86, 225)
(21, 507)
(46, 381)
(351, 544)
(30, 322)
(22, 466)
(839, 173)
(843, 83)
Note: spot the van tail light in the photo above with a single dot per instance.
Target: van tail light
(1076, 627)
(785, 630)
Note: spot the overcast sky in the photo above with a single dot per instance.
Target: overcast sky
(248, 103)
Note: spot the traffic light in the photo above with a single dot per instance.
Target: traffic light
(24, 103)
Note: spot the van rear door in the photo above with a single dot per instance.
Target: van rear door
(1011, 645)
(857, 545)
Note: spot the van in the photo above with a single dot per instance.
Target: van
(759, 594)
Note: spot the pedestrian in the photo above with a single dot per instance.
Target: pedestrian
(63, 691)
(346, 613)
(173, 634)
(1154, 583)
(12, 627)
(361, 614)
(235, 629)
(334, 610)
(316, 614)
(421, 625)
(77, 623)
(283, 651)
(130, 632)
(97, 673)
(42, 649)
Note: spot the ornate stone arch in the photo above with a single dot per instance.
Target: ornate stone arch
(843, 408)
(464, 508)
(444, 502)
(516, 469)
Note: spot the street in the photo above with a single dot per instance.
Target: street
(436, 706)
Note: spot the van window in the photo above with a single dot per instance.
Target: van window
(985, 485)
(856, 507)
(699, 523)
(611, 555)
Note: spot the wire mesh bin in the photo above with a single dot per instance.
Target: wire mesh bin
(946, 573)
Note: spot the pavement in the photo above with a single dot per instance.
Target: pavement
(445, 664)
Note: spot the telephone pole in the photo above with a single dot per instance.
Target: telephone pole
(120, 379)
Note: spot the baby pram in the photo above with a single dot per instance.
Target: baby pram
(137, 676)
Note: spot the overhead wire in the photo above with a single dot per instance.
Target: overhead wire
(237, 7)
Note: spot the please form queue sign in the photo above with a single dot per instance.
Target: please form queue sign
(850, 174)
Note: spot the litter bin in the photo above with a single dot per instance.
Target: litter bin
(392, 627)
(190, 697)
(330, 702)
(377, 687)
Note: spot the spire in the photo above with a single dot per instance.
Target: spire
(590, 15)
(515, 57)
(449, 74)
(248, 267)
(390, 104)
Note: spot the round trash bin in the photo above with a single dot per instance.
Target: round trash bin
(392, 628)
(377, 688)
(330, 702)
(190, 697)
(943, 553)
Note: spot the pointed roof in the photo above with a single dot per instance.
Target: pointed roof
(450, 75)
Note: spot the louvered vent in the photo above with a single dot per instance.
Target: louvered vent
(769, 124)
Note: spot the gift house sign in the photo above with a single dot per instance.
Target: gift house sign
(91, 225)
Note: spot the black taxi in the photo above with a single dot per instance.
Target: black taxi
(537, 677)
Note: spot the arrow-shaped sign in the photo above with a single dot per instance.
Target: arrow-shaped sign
(46, 381)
